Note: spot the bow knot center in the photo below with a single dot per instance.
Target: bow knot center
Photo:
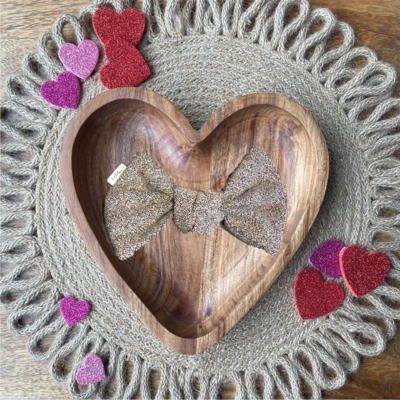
(196, 211)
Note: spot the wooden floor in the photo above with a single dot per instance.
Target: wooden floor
(377, 25)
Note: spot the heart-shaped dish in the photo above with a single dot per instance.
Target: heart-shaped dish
(191, 289)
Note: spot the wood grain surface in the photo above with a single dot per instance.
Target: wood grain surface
(196, 295)
(376, 24)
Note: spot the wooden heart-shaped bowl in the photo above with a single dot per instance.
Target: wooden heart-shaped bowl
(191, 289)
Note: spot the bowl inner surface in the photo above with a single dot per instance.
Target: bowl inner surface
(191, 282)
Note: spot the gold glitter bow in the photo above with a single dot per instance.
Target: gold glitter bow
(252, 206)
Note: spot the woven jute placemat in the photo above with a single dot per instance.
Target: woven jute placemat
(203, 54)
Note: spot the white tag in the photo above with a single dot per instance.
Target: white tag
(112, 179)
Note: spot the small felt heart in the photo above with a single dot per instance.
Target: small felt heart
(325, 258)
(126, 66)
(80, 60)
(64, 92)
(92, 371)
(129, 25)
(314, 297)
(73, 311)
(363, 272)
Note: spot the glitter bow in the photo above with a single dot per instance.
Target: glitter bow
(252, 206)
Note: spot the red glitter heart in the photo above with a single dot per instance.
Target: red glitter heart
(314, 297)
(363, 272)
(129, 25)
(126, 66)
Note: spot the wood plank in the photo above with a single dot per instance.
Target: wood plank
(28, 19)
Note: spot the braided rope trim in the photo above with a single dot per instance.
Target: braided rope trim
(329, 354)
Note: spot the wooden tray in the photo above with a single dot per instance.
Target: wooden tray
(190, 290)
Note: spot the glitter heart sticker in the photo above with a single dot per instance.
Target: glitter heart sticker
(63, 93)
(129, 25)
(80, 60)
(125, 68)
(92, 371)
(325, 258)
(73, 311)
(315, 298)
(363, 272)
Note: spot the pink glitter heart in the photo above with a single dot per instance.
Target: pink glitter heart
(92, 371)
(64, 93)
(73, 311)
(325, 258)
(80, 60)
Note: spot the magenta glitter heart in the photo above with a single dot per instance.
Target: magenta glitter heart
(64, 93)
(92, 371)
(325, 258)
(80, 60)
(73, 311)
